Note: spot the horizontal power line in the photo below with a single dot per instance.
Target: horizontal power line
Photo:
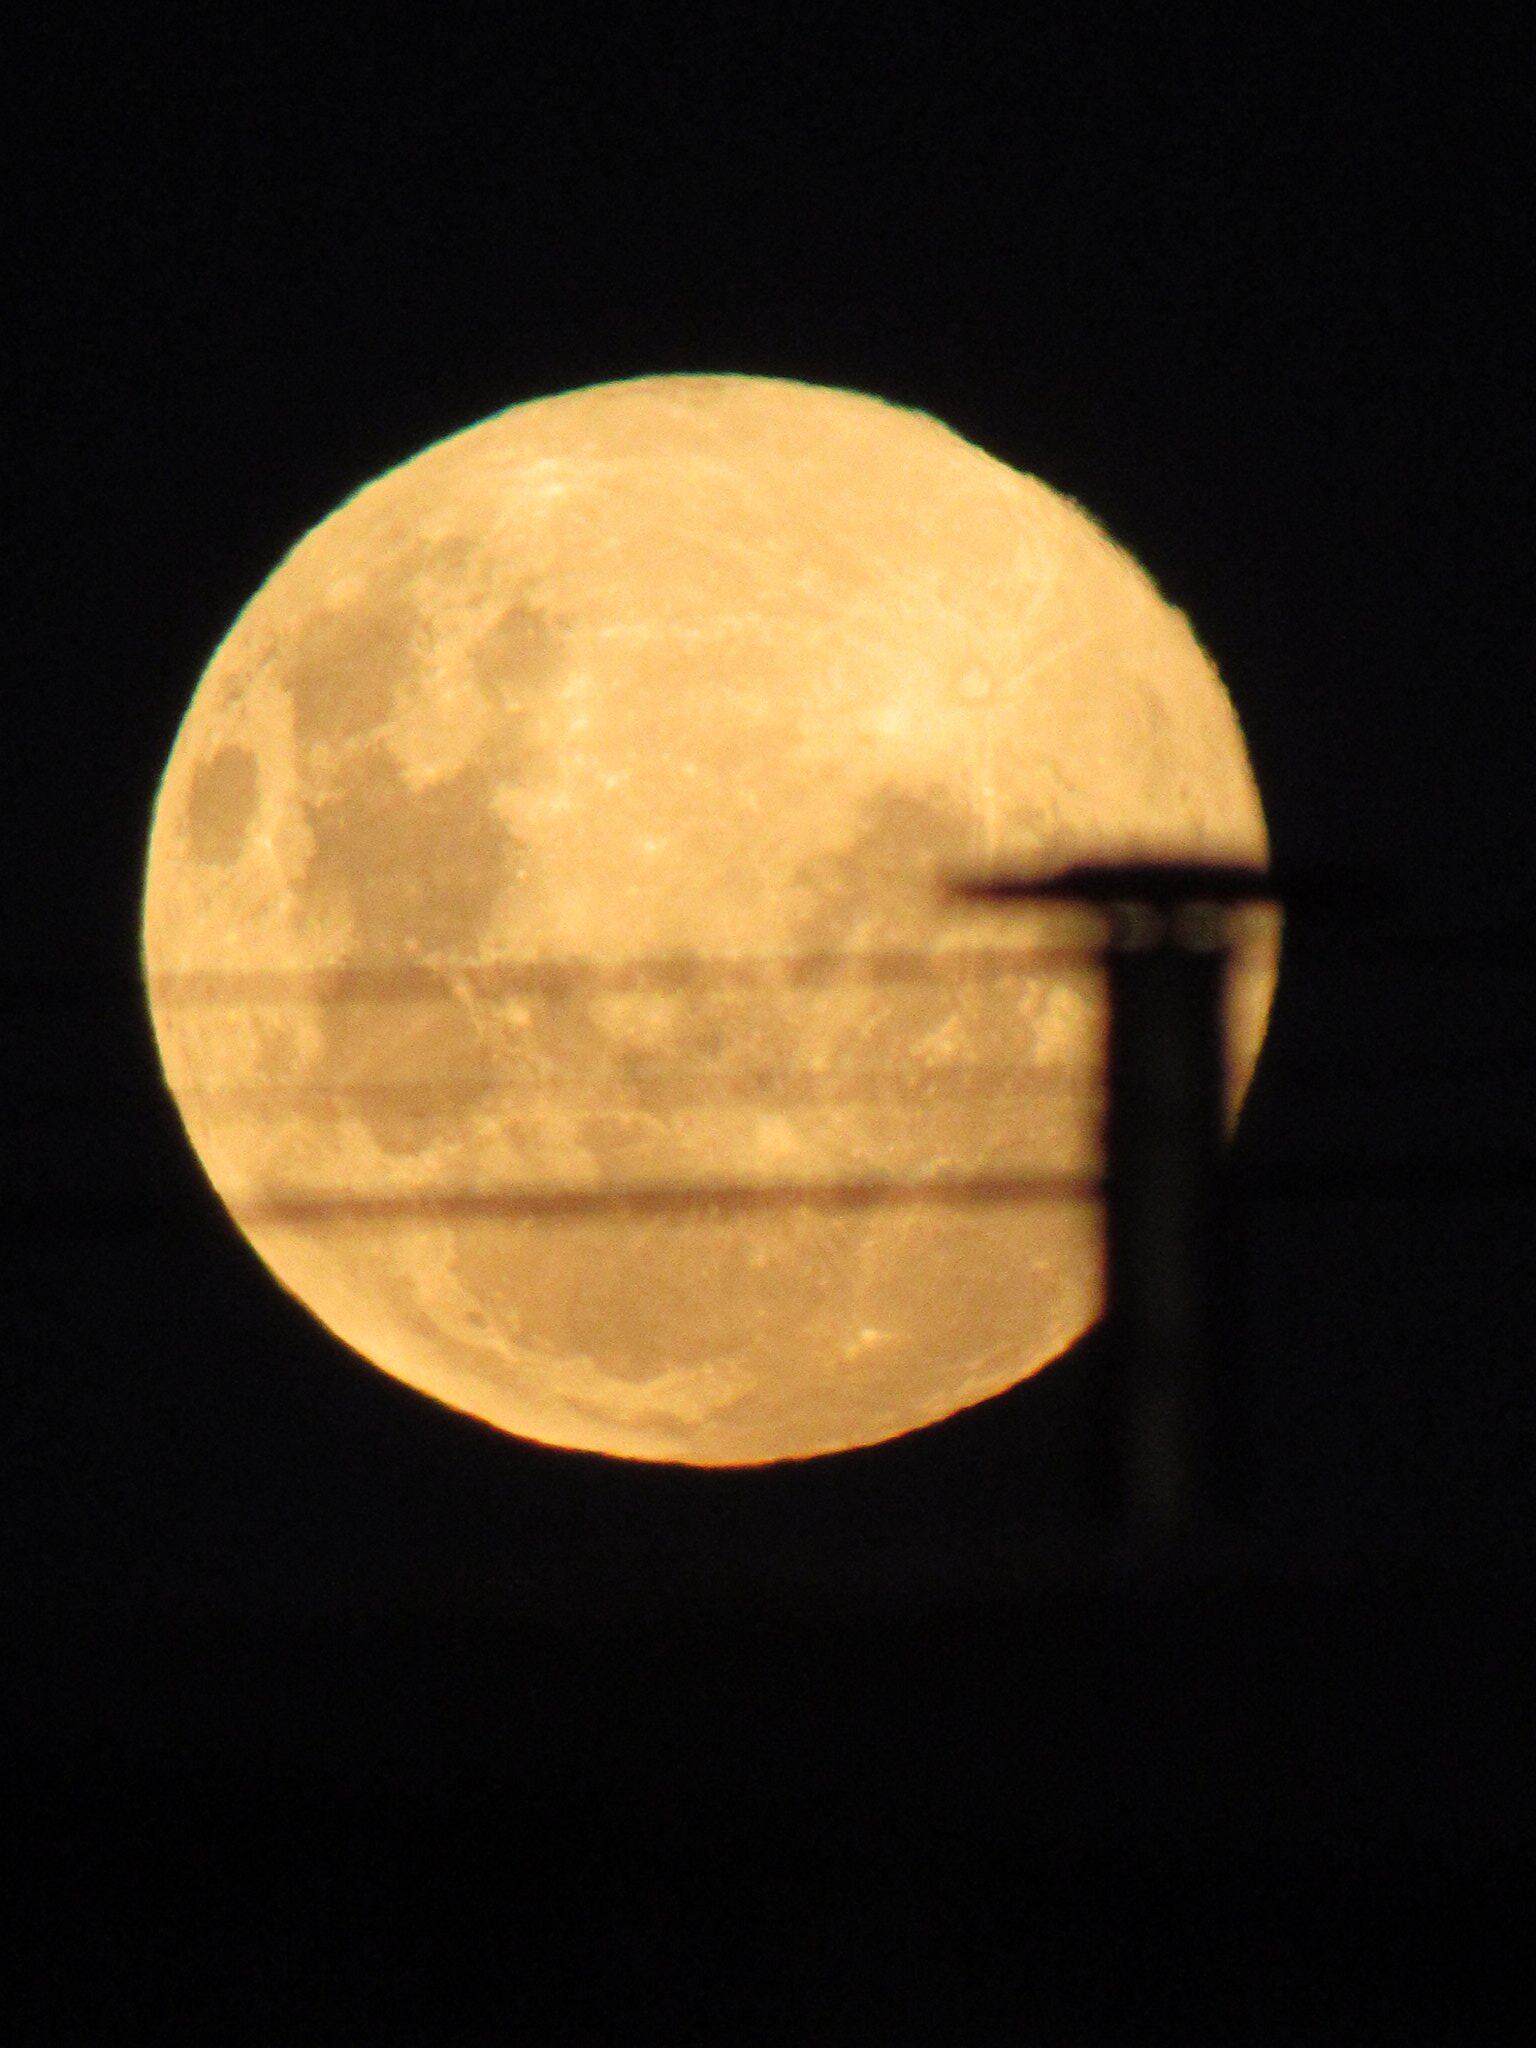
(565, 978)
(662, 973)
(1405, 1176)
(1287, 1182)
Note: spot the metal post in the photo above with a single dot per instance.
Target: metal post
(1162, 1153)
(1158, 1463)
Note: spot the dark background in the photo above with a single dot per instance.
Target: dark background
(334, 1715)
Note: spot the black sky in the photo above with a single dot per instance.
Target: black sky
(1246, 295)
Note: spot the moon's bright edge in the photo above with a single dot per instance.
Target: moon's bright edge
(491, 828)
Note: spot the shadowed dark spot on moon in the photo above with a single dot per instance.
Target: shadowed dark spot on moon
(879, 891)
(345, 670)
(409, 1067)
(438, 558)
(522, 651)
(417, 874)
(949, 1062)
(513, 665)
(881, 888)
(221, 804)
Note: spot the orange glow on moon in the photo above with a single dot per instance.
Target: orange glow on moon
(494, 833)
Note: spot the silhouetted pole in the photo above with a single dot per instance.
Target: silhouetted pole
(1162, 1154)
(1167, 955)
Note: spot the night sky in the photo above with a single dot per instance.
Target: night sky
(335, 1715)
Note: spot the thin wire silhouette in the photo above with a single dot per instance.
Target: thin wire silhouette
(679, 1197)
(660, 972)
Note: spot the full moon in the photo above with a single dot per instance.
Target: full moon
(544, 925)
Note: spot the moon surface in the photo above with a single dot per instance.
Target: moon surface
(543, 934)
